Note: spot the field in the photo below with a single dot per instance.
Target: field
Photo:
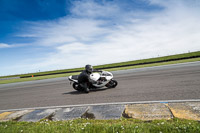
(173, 59)
(102, 126)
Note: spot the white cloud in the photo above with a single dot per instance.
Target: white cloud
(91, 9)
(4, 45)
(88, 36)
(66, 30)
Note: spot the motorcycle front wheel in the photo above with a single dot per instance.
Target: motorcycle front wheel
(112, 84)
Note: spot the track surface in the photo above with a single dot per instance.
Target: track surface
(172, 82)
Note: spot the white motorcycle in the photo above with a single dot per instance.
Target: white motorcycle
(101, 79)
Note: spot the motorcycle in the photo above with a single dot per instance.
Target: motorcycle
(101, 80)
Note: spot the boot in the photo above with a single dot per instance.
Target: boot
(86, 90)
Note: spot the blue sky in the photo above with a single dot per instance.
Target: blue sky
(43, 35)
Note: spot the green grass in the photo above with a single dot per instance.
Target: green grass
(36, 78)
(102, 126)
(165, 58)
(104, 67)
(154, 64)
(112, 69)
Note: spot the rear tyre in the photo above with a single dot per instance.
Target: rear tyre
(76, 86)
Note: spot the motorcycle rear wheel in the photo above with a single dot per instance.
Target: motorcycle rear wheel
(76, 86)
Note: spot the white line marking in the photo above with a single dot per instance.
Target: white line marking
(116, 103)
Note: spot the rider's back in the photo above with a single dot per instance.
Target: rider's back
(83, 77)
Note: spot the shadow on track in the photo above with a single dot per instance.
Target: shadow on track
(79, 93)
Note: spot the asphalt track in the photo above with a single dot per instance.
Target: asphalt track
(170, 82)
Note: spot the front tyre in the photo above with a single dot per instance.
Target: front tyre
(112, 84)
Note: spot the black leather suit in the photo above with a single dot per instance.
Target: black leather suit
(84, 78)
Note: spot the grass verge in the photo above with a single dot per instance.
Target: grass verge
(115, 65)
(102, 126)
(155, 64)
(36, 78)
(112, 69)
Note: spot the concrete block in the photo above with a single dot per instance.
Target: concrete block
(4, 115)
(104, 112)
(69, 113)
(38, 114)
(16, 115)
(187, 110)
(154, 111)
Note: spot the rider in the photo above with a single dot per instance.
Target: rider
(84, 77)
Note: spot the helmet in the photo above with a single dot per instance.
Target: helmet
(89, 68)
